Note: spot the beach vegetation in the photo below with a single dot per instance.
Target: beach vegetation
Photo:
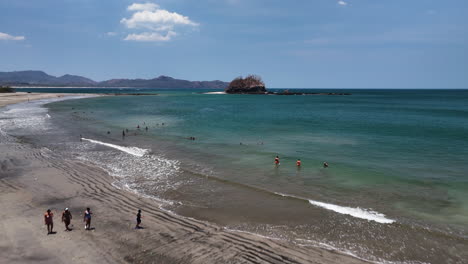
(6, 89)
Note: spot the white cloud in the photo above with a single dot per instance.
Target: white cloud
(151, 36)
(143, 7)
(159, 23)
(342, 3)
(156, 20)
(5, 36)
(111, 34)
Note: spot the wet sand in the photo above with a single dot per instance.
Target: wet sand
(33, 180)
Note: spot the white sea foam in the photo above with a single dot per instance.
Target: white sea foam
(215, 93)
(29, 117)
(139, 152)
(354, 212)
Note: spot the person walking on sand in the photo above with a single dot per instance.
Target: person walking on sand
(138, 219)
(87, 218)
(49, 221)
(277, 161)
(66, 218)
(298, 163)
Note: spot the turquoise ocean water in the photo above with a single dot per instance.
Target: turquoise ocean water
(396, 188)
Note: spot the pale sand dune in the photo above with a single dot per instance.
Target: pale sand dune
(32, 180)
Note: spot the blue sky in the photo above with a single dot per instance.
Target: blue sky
(293, 44)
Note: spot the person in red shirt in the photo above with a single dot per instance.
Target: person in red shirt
(277, 161)
(48, 220)
(298, 163)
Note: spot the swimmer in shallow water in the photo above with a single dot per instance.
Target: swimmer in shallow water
(325, 164)
(277, 161)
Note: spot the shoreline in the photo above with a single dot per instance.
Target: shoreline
(32, 180)
(19, 97)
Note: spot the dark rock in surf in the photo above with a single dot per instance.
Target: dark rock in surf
(252, 84)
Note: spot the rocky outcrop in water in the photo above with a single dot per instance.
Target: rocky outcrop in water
(252, 84)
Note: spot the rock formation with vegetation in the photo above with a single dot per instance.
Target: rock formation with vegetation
(251, 84)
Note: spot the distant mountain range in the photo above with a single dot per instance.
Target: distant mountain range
(40, 78)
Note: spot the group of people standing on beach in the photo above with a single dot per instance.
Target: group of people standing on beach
(298, 162)
(67, 217)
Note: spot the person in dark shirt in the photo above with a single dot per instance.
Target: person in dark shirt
(49, 222)
(138, 219)
(87, 218)
(66, 218)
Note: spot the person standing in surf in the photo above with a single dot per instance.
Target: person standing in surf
(49, 221)
(298, 163)
(277, 161)
(87, 219)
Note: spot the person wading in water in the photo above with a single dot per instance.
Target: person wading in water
(277, 161)
(298, 163)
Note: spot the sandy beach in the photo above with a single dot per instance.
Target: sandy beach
(33, 179)
(18, 97)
